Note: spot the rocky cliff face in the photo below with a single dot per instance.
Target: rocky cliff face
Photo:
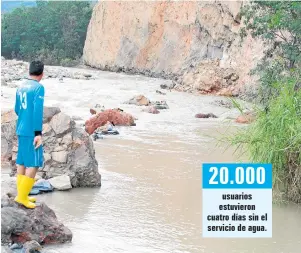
(197, 44)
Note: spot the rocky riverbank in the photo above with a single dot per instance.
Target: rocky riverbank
(68, 149)
(15, 70)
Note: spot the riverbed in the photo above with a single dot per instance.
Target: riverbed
(151, 196)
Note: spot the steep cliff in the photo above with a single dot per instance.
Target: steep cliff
(197, 44)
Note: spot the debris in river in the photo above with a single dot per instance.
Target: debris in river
(222, 103)
(160, 105)
(160, 92)
(138, 100)
(151, 109)
(205, 115)
(100, 119)
(246, 118)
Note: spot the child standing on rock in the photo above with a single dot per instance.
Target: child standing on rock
(29, 108)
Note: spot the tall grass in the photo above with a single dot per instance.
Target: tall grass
(275, 137)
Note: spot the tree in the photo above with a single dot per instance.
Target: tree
(54, 31)
(278, 24)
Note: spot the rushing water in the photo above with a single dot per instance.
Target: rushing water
(151, 196)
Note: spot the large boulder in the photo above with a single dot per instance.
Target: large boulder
(117, 117)
(49, 112)
(68, 150)
(19, 224)
(8, 135)
(138, 100)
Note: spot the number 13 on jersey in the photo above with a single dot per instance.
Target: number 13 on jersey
(23, 100)
(244, 176)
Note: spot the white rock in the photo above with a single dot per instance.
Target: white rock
(61, 182)
(60, 157)
(60, 123)
(60, 148)
(47, 157)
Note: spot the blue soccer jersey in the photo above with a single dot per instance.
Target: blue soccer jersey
(29, 108)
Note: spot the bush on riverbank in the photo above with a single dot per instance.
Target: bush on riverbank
(52, 31)
(275, 137)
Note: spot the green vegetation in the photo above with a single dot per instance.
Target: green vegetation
(275, 136)
(278, 25)
(53, 31)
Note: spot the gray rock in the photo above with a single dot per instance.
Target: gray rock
(3, 82)
(47, 129)
(8, 135)
(59, 148)
(67, 139)
(61, 182)
(61, 123)
(8, 185)
(19, 224)
(160, 105)
(49, 112)
(234, 77)
(60, 156)
(168, 86)
(83, 163)
(68, 150)
(160, 92)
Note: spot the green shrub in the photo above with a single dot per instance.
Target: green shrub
(68, 62)
(275, 137)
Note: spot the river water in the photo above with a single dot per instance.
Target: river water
(151, 196)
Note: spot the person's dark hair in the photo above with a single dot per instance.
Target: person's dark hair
(36, 68)
(113, 123)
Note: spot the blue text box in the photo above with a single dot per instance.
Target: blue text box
(237, 176)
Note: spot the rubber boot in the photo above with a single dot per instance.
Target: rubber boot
(25, 188)
(19, 180)
(31, 199)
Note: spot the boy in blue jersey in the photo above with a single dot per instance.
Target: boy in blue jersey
(29, 108)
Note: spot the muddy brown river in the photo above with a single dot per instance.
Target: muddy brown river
(150, 200)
